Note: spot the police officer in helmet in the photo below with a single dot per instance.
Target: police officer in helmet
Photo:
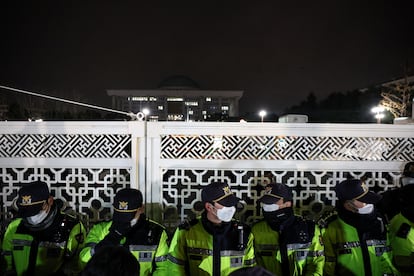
(146, 239)
(44, 240)
(214, 243)
(285, 243)
(356, 241)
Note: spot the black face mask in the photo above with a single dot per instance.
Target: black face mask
(276, 218)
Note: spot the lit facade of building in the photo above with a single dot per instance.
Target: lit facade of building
(178, 99)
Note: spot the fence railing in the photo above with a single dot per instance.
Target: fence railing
(85, 163)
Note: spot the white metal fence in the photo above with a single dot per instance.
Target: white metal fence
(85, 163)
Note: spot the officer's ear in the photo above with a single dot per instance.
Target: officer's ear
(141, 209)
(350, 206)
(47, 204)
(50, 201)
(208, 206)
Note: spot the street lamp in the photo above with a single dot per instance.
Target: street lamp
(378, 113)
(262, 113)
(146, 111)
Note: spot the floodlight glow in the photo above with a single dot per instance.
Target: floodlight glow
(262, 113)
(378, 113)
(377, 109)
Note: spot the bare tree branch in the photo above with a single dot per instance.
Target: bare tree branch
(397, 99)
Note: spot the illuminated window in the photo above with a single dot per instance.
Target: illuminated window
(153, 99)
(190, 112)
(175, 117)
(191, 103)
(225, 107)
(160, 107)
(175, 99)
(204, 112)
(208, 99)
(139, 99)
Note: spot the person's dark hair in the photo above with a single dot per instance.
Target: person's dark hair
(112, 260)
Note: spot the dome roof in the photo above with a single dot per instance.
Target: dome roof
(178, 82)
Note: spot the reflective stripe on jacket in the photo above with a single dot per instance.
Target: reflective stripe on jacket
(51, 255)
(305, 258)
(192, 252)
(343, 252)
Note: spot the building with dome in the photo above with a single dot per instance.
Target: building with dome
(178, 98)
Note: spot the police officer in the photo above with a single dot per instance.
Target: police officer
(286, 244)
(356, 240)
(146, 239)
(44, 240)
(389, 205)
(401, 230)
(212, 244)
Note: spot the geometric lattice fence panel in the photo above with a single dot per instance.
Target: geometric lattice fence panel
(311, 148)
(65, 145)
(85, 163)
(181, 187)
(86, 191)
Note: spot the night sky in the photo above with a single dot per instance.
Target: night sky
(276, 52)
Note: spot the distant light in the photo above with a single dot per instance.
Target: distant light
(262, 113)
(146, 111)
(377, 109)
(378, 113)
(243, 121)
(35, 120)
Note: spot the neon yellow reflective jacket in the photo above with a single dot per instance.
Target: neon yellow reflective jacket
(194, 250)
(54, 249)
(344, 252)
(402, 241)
(148, 242)
(301, 241)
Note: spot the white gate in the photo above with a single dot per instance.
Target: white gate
(87, 162)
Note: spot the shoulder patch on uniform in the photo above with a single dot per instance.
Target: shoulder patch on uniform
(69, 221)
(70, 217)
(327, 218)
(187, 224)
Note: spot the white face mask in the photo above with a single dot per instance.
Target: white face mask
(226, 213)
(367, 209)
(38, 218)
(133, 222)
(270, 207)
